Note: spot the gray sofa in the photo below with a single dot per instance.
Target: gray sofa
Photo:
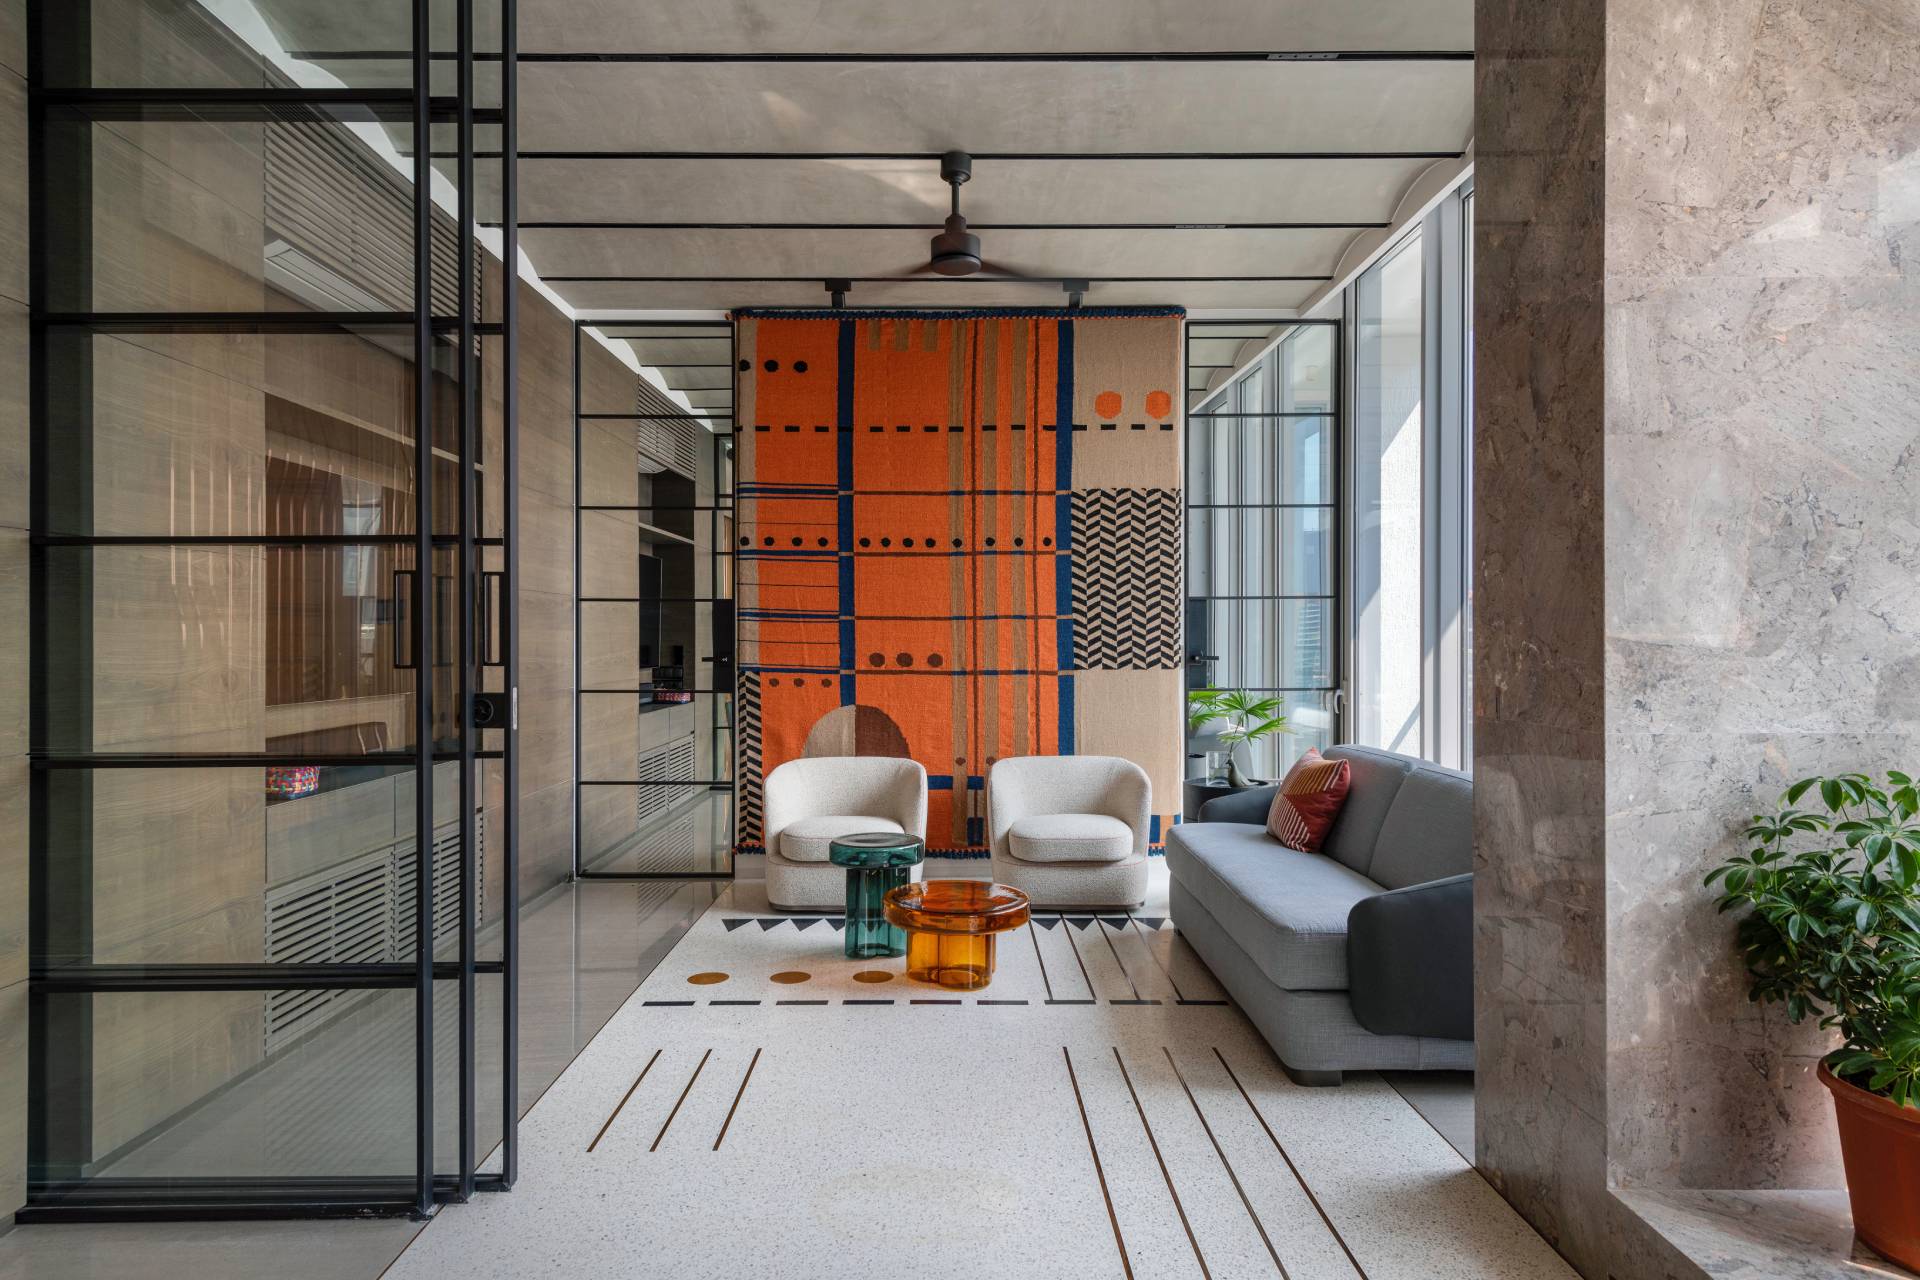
(1359, 958)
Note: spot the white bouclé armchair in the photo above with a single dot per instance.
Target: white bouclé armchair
(1070, 831)
(811, 801)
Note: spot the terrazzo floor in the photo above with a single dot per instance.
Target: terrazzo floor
(1101, 1109)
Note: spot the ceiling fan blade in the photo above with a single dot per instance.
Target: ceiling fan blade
(1001, 271)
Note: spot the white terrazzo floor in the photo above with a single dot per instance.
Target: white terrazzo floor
(1099, 1110)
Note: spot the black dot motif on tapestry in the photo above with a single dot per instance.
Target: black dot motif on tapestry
(1126, 579)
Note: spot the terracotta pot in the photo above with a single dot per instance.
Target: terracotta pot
(1880, 1145)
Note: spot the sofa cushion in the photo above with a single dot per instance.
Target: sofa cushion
(1374, 782)
(1070, 837)
(1308, 801)
(1428, 834)
(809, 839)
(1285, 908)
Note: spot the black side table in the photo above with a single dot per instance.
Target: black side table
(1194, 794)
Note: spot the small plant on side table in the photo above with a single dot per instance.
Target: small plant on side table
(1247, 719)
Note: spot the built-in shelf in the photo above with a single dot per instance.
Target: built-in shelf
(656, 533)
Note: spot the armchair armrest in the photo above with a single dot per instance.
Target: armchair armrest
(1410, 960)
(1250, 805)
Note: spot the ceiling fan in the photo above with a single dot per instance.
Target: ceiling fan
(955, 251)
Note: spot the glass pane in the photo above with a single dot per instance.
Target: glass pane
(1284, 551)
(139, 44)
(203, 434)
(252, 865)
(235, 648)
(1307, 369)
(1388, 483)
(655, 829)
(188, 214)
(624, 738)
(488, 1076)
(1307, 457)
(1272, 644)
(242, 1084)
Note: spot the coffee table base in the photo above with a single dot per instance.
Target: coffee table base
(957, 961)
(868, 935)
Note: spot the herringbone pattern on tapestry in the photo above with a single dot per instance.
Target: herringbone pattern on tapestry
(1126, 580)
(747, 726)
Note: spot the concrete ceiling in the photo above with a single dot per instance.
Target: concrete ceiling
(1219, 172)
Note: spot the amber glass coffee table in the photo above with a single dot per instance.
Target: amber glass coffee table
(951, 928)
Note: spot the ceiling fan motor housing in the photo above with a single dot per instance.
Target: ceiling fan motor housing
(956, 251)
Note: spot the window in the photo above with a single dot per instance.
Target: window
(1409, 580)
(1262, 529)
(1387, 514)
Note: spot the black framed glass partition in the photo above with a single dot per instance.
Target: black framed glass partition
(273, 944)
(1263, 527)
(654, 624)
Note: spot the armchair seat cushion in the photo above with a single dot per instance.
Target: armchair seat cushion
(809, 839)
(1070, 837)
(1287, 909)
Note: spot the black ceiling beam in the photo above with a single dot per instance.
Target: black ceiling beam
(561, 225)
(1215, 55)
(1048, 156)
(982, 279)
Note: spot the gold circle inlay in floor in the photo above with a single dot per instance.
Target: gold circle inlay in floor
(791, 976)
(707, 979)
(873, 975)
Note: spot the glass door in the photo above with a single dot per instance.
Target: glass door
(1263, 529)
(653, 556)
(273, 939)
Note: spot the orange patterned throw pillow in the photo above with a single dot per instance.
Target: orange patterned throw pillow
(1308, 801)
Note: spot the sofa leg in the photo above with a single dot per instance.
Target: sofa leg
(1314, 1079)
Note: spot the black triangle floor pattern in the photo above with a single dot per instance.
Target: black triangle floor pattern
(838, 923)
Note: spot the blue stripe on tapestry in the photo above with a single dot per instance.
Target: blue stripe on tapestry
(1153, 829)
(844, 459)
(1063, 527)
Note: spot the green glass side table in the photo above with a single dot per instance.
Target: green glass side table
(876, 862)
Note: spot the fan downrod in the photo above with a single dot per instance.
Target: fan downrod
(956, 251)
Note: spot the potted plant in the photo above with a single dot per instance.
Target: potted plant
(1833, 930)
(1247, 719)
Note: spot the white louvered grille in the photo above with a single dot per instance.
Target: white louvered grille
(670, 762)
(360, 912)
(327, 197)
(671, 444)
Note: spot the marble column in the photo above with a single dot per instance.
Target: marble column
(1698, 348)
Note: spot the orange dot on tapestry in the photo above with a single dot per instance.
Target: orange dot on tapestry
(957, 544)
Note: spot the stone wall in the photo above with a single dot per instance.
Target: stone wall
(1696, 361)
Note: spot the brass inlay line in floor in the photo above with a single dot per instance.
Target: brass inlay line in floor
(1131, 984)
(682, 1098)
(1226, 1164)
(738, 1094)
(1178, 995)
(1291, 1167)
(1035, 939)
(1165, 1176)
(1075, 948)
(623, 1100)
(1113, 1219)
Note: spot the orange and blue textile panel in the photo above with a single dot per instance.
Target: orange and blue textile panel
(958, 540)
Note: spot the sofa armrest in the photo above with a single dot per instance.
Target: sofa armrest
(1250, 805)
(1410, 960)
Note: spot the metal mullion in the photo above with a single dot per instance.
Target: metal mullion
(468, 684)
(510, 620)
(423, 613)
(230, 759)
(247, 322)
(578, 417)
(69, 979)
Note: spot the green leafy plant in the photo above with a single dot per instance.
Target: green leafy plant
(1244, 717)
(1833, 923)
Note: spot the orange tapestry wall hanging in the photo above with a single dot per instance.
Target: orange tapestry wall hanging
(958, 539)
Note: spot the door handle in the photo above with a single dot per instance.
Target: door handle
(488, 627)
(403, 656)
